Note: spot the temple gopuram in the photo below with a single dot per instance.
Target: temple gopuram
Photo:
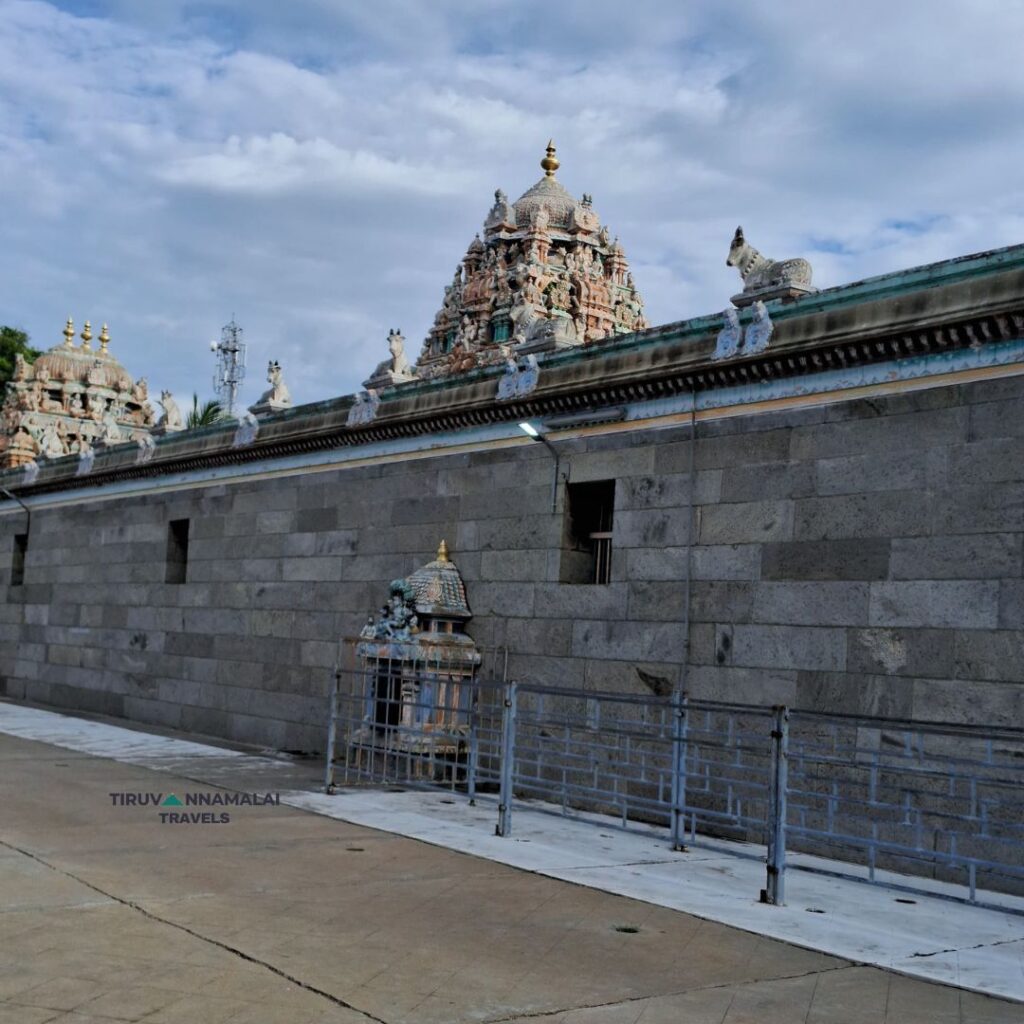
(70, 399)
(545, 275)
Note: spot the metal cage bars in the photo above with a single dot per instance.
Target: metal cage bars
(882, 796)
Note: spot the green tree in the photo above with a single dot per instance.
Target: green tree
(204, 415)
(12, 343)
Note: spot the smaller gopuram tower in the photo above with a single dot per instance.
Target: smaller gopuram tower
(417, 665)
(71, 398)
(545, 274)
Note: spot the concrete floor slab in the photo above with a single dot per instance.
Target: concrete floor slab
(286, 915)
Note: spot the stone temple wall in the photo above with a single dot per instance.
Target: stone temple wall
(863, 556)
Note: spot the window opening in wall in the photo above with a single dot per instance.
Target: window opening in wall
(18, 553)
(177, 550)
(587, 542)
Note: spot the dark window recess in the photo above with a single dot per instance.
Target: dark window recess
(387, 694)
(18, 559)
(587, 542)
(177, 550)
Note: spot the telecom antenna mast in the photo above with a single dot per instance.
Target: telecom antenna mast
(230, 352)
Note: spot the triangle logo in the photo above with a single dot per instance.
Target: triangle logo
(172, 801)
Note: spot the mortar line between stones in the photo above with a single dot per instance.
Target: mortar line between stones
(196, 935)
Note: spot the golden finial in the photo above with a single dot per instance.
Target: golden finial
(104, 339)
(86, 335)
(69, 332)
(442, 552)
(550, 162)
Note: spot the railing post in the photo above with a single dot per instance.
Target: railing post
(332, 729)
(775, 891)
(474, 749)
(508, 757)
(680, 729)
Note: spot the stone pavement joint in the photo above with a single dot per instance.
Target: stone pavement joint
(132, 905)
(541, 1014)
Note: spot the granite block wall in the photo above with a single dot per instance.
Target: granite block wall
(864, 556)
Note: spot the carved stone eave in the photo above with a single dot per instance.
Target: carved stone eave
(957, 304)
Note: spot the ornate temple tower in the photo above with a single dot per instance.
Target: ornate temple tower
(71, 398)
(546, 274)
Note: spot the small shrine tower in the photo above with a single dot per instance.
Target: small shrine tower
(417, 664)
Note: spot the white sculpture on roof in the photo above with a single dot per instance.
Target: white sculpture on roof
(277, 396)
(764, 278)
(171, 420)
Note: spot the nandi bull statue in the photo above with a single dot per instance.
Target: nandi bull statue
(764, 278)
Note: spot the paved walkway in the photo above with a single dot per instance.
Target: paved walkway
(286, 916)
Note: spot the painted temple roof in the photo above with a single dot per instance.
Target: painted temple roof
(439, 590)
(544, 275)
(545, 267)
(71, 398)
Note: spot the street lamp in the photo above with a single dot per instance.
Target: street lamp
(532, 432)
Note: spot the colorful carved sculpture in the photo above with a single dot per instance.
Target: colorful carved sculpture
(71, 398)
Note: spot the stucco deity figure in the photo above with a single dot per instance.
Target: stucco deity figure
(364, 409)
(140, 391)
(146, 448)
(467, 331)
(246, 431)
(97, 407)
(112, 433)
(171, 419)
(760, 330)
(53, 443)
(518, 380)
(398, 619)
(86, 458)
(20, 367)
(730, 337)
(502, 214)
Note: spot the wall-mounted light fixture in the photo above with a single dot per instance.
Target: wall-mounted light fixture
(532, 431)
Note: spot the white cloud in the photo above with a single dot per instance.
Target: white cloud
(318, 168)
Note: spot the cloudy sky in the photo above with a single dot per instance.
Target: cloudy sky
(317, 167)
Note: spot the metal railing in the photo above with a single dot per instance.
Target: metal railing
(888, 801)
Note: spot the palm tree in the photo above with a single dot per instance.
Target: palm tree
(204, 415)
